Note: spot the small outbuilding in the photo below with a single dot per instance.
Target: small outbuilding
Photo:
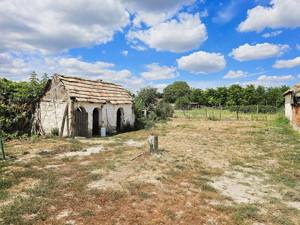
(75, 106)
(292, 105)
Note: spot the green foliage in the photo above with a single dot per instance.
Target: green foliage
(234, 95)
(164, 110)
(17, 102)
(55, 132)
(147, 96)
(182, 102)
(253, 109)
(148, 109)
(176, 90)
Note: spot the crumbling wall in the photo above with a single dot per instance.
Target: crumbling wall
(296, 115)
(52, 108)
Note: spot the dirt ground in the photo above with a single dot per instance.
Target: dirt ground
(207, 172)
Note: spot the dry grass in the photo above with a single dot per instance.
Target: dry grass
(208, 172)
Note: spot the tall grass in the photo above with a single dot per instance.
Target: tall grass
(223, 114)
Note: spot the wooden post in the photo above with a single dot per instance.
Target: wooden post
(64, 121)
(2, 148)
(153, 143)
(72, 119)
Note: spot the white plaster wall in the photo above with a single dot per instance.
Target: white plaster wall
(52, 115)
(107, 114)
(52, 107)
(288, 107)
(52, 111)
(89, 108)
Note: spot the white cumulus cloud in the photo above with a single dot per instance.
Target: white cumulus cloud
(152, 12)
(235, 74)
(272, 34)
(157, 72)
(202, 62)
(18, 67)
(248, 52)
(280, 14)
(287, 63)
(176, 35)
(125, 53)
(56, 26)
(271, 81)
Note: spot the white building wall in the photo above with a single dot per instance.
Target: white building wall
(52, 107)
(107, 115)
(288, 107)
(54, 103)
(52, 115)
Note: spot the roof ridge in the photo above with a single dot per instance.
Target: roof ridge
(94, 90)
(85, 79)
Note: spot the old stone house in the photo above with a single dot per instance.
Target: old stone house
(292, 105)
(80, 107)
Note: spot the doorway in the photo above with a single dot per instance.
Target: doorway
(120, 118)
(81, 122)
(96, 126)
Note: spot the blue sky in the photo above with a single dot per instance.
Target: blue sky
(138, 43)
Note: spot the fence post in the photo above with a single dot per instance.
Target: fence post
(2, 147)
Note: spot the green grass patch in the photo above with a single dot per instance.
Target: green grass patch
(3, 195)
(244, 213)
(24, 211)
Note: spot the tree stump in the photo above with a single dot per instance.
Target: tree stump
(153, 143)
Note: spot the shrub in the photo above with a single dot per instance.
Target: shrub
(55, 132)
(164, 110)
(253, 109)
(182, 103)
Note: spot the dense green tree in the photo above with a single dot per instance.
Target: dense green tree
(260, 95)
(148, 96)
(221, 95)
(17, 104)
(212, 97)
(182, 102)
(176, 90)
(249, 95)
(235, 97)
(198, 95)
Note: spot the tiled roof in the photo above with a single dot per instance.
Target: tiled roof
(295, 89)
(94, 91)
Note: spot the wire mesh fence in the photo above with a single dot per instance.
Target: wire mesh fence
(250, 113)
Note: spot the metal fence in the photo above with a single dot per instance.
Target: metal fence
(253, 113)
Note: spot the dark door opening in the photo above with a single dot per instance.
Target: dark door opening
(81, 122)
(96, 127)
(119, 120)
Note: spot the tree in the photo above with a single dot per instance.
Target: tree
(198, 95)
(250, 95)
(211, 96)
(147, 96)
(17, 104)
(235, 98)
(260, 95)
(45, 78)
(176, 90)
(221, 96)
(182, 103)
